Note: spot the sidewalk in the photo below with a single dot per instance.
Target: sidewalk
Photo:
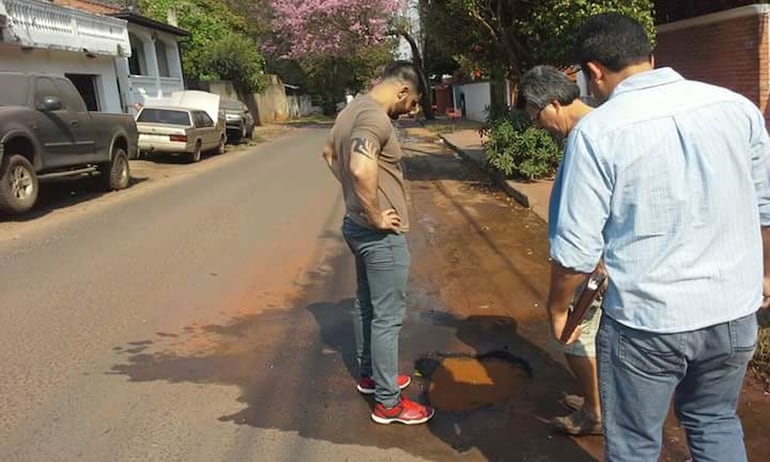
(533, 195)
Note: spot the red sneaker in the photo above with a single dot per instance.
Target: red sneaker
(406, 412)
(366, 384)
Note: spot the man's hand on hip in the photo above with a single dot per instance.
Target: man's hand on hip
(388, 220)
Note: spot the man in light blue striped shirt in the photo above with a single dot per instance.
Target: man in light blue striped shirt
(667, 181)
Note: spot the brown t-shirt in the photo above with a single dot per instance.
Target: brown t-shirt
(363, 118)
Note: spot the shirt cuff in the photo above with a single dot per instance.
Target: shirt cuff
(764, 215)
(569, 256)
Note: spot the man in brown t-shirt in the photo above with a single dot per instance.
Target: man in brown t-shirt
(364, 155)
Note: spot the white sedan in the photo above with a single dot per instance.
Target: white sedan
(179, 131)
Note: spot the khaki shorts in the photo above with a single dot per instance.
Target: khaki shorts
(585, 345)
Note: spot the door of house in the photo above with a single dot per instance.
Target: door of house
(86, 86)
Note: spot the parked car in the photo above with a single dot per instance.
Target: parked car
(238, 118)
(47, 132)
(179, 131)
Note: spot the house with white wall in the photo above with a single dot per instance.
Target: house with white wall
(154, 69)
(474, 98)
(116, 58)
(38, 36)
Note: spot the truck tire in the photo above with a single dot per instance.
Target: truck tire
(116, 173)
(18, 184)
(196, 154)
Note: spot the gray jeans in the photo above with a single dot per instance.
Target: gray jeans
(382, 270)
(703, 370)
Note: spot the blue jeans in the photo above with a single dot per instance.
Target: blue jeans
(382, 270)
(703, 370)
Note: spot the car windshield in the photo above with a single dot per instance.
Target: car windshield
(232, 105)
(13, 90)
(164, 116)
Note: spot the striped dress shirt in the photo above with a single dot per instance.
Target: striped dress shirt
(669, 181)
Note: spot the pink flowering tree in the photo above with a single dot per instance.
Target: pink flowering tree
(331, 27)
(336, 30)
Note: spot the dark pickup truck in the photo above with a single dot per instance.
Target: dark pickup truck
(47, 132)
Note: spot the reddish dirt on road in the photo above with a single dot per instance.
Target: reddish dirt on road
(478, 284)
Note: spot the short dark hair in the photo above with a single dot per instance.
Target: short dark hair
(613, 40)
(404, 71)
(542, 85)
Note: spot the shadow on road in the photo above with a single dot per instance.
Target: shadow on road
(295, 364)
(64, 193)
(296, 369)
(179, 159)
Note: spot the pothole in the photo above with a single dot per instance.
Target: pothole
(465, 382)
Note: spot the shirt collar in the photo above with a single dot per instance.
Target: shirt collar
(647, 79)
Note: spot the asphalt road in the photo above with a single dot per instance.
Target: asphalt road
(84, 294)
(202, 315)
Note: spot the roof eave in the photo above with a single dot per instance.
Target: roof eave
(140, 20)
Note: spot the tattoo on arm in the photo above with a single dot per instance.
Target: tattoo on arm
(363, 170)
(364, 147)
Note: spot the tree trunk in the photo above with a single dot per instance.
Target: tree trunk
(498, 84)
(427, 94)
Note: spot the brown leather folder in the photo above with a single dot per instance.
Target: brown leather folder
(594, 288)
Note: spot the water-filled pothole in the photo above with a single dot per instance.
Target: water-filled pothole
(464, 382)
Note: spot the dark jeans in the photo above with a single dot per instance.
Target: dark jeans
(703, 370)
(382, 269)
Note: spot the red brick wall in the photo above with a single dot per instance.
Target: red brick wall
(731, 53)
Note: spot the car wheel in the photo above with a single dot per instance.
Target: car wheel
(116, 173)
(196, 155)
(221, 145)
(18, 184)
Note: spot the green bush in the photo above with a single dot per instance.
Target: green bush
(519, 149)
(235, 57)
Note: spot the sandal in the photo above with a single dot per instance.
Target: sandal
(578, 424)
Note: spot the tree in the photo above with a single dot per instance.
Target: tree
(257, 13)
(401, 26)
(503, 38)
(437, 62)
(516, 34)
(222, 42)
(339, 30)
(236, 58)
(329, 77)
(330, 27)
